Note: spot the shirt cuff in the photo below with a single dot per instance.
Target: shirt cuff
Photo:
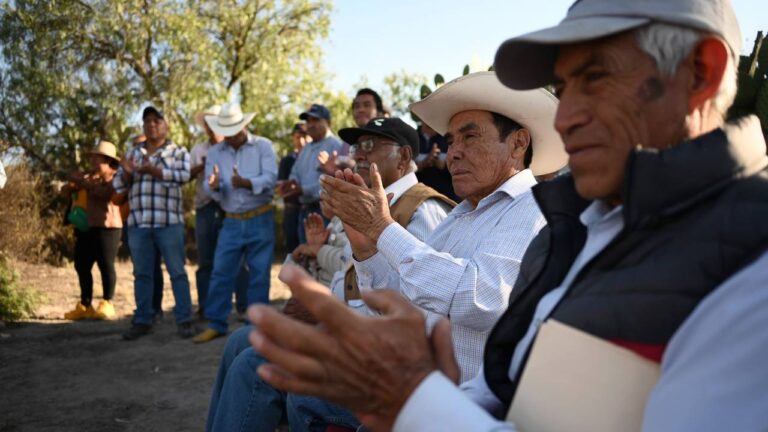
(438, 405)
(397, 245)
(366, 270)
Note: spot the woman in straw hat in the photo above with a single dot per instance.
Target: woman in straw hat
(97, 230)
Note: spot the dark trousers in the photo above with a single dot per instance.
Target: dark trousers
(97, 245)
(291, 226)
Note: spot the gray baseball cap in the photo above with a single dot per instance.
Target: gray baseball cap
(527, 61)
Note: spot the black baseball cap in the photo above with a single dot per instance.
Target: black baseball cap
(392, 128)
(316, 111)
(150, 110)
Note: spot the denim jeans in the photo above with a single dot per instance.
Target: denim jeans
(241, 401)
(253, 239)
(311, 414)
(169, 241)
(207, 226)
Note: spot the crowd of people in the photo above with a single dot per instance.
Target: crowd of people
(623, 206)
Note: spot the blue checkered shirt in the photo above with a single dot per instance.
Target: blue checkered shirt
(156, 202)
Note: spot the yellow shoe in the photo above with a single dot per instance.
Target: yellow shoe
(206, 336)
(80, 312)
(105, 310)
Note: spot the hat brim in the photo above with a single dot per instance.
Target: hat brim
(102, 154)
(306, 115)
(351, 135)
(532, 109)
(527, 62)
(200, 118)
(228, 130)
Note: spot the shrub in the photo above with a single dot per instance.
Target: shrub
(31, 219)
(15, 302)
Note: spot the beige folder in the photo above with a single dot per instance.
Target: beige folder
(576, 382)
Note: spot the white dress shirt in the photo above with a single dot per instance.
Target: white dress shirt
(467, 267)
(713, 371)
(424, 220)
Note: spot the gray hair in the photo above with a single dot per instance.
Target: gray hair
(669, 44)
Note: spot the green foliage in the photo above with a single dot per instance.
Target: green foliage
(15, 302)
(73, 71)
(752, 94)
(401, 89)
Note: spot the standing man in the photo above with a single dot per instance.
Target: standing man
(304, 180)
(241, 172)
(152, 173)
(208, 220)
(299, 139)
(367, 105)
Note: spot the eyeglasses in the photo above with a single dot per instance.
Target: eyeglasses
(369, 144)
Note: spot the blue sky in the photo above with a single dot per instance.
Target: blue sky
(375, 38)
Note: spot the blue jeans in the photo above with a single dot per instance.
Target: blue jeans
(169, 241)
(311, 414)
(207, 226)
(253, 239)
(241, 401)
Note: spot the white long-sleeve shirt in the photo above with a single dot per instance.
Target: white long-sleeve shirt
(425, 219)
(467, 267)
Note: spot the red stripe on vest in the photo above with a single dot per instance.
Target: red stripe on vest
(649, 351)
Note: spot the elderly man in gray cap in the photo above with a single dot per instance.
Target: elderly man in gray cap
(654, 235)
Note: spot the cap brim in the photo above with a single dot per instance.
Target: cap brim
(527, 62)
(200, 118)
(229, 130)
(305, 115)
(351, 135)
(532, 109)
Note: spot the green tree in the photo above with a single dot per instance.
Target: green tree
(74, 71)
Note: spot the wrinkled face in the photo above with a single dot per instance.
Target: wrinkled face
(612, 99)
(478, 160)
(317, 128)
(386, 154)
(155, 128)
(364, 109)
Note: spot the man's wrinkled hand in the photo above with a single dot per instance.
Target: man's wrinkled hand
(370, 365)
(364, 209)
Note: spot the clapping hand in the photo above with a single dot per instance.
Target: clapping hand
(239, 182)
(335, 361)
(214, 180)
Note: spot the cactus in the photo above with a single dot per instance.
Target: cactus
(752, 93)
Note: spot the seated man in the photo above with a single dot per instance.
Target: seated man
(239, 396)
(664, 207)
(466, 268)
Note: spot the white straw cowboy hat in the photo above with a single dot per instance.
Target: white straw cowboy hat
(212, 110)
(105, 148)
(532, 109)
(229, 121)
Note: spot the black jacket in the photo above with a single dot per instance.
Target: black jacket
(693, 215)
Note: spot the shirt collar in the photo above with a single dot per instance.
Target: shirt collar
(250, 140)
(599, 212)
(515, 186)
(399, 187)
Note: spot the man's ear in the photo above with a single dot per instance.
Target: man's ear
(518, 142)
(708, 59)
(406, 156)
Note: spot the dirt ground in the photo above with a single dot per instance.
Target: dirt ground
(58, 375)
